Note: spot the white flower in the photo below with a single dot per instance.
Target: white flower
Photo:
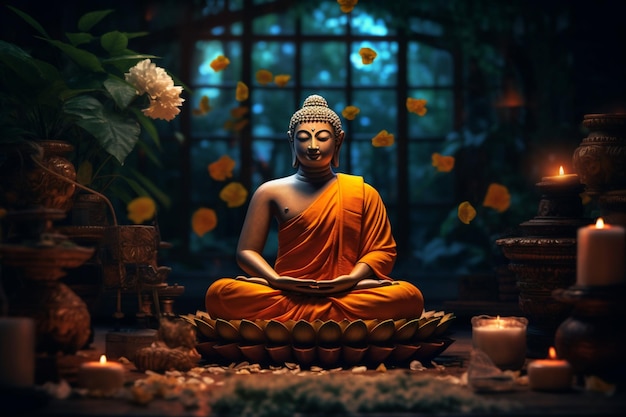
(149, 79)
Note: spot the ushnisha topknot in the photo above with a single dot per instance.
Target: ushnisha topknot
(315, 109)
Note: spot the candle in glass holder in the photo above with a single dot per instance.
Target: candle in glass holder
(562, 179)
(600, 254)
(102, 377)
(550, 374)
(503, 339)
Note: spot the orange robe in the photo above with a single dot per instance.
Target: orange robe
(347, 224)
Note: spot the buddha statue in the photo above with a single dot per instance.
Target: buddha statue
(336, 250)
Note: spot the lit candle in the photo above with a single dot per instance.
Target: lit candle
(600, 254)
(17, 352)
(101, 377)
(562, 178)
(550, 374)
(503, 339)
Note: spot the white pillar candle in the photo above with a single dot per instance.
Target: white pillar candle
(600, 254)
(550, 374)
(503, 339)
(102, 378)
(17, 352)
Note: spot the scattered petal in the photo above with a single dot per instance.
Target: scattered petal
(141, 209)
(234, 194)
(203, 221)
(242, 91)
(367, 55)
(203, 107)
(281, 80)
(466, 212)
(497, 197)
(346, 6)
(222, 168)
(220, 63)
(383, 139)
(417, 106)
(264, 77)
(442, 163)
(350, 112)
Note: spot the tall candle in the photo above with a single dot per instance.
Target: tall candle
(102, 377)
(600, 254)
(17, 352)
(550, 374)
(503, 339)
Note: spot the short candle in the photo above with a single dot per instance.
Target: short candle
(562, 178)
(550, 374)
(101, 377)
(503, 339)
(600, 254)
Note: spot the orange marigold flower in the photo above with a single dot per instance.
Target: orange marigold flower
(141, 209)
(222, 168)
(234, 194)
(497, 197)
(220, 63)
(346, 6)
(203, 221)
(203, 107)
(281, 80)
(367, 55)
(350, 112)
(264, 77)
(442, 163)
(239, 112)
(242, 91)
(416, 105)
(382, 139)
(466, 212)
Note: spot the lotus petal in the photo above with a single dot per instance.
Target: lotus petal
(406, 331)
(228, 329)
(329, 333)
(278, 333)
(382, 332)
(251, 332)
(355, 333)
(304, 333)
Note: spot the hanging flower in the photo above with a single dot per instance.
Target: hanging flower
(234, 194)
(497, 197)
(203, 221)
(383, 139)
(442, 163)
(416, 105)
(367, 55)
(222, 168)
(220, 63)
(141, 209)
(164, 96)
(346, 6)
(466, 212)
(242, 92)
(203, 107)
(350, 112)
(264, 77)
(281, 80)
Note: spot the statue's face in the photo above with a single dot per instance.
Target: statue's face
(314, 144)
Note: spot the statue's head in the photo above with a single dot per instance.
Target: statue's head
(315, 109)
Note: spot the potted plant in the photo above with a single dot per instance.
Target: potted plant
(90, 91)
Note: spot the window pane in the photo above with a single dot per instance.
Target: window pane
(272, 159)
(271, 111)
(274, 24)
(325, 19)
(323, 63)
(377, 166)
(382, 71)
(428, 66)
(276, 57)
(439, 120)
(207, 51)
(222, 102)
(364, 23)
(377, 112)
(429, 185)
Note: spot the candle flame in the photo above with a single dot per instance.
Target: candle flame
(600, 223)
(103, 359)
(552, 352)
(498, 323)
(561, 170)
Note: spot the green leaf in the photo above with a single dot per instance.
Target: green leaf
(148, 126)
(79, 38)
(90, 19)
(83, 58)
(115, 42)
(123, 94)
(115, 133)
(132, 35)
(31, 22)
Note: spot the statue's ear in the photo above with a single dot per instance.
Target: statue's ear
(294, 158)
(338, 142)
